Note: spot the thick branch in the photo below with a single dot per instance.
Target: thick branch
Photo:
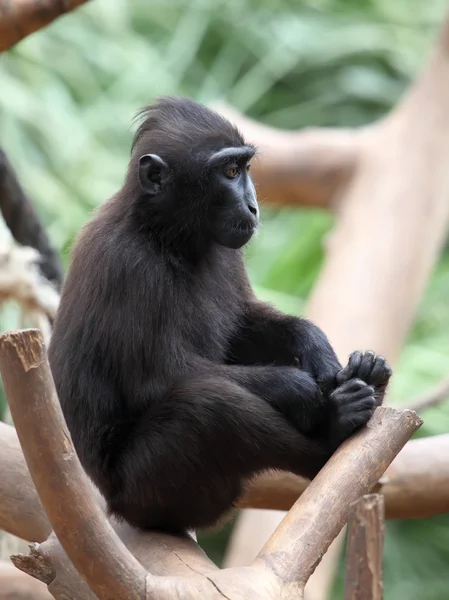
(95, 550)
(365, 549)
(23, 221)
(416, 485)
(19, 18)
(297, 545)
(294, 168)
(393, 218)
(21, 512)
(92, 544)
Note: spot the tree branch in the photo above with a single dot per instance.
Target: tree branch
(112, 570)
(416, 485)
(24, 223)
(96, 551)
(319, 514)
(19, 18)
(393, 218)
(365, 549)
(292, 168)
(436, 395)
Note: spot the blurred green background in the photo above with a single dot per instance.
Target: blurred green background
(68, 97)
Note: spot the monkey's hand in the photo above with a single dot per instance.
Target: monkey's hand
(360, 389)
(373, 370)
(351, 406)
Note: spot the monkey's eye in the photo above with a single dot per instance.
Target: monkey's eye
(232, 172)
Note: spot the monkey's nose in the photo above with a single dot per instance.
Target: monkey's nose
(253, 209)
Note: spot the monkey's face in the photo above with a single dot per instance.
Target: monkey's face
(233, 210)
(226, 204)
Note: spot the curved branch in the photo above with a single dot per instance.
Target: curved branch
(60, 481)
(19, 18)
(21, 511)
(415, 486)
(24, 223)
(89, 539)
(318, 516)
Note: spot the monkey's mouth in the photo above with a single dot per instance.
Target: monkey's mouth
(236, 235)
(244, 227)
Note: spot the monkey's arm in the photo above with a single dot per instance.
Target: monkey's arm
(267, 336)
(296, 395)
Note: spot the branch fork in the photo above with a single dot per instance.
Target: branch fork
(115, 561)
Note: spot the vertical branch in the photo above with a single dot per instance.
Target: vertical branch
(365, 549)
(95, 550)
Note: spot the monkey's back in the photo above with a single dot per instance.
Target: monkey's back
(129, 325)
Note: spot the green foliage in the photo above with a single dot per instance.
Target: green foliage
(68, 97)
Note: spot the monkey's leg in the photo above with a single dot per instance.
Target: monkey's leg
(184, 464)
(290, 390)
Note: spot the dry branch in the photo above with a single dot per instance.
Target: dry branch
(365, 549)
(293, 168)
(76, 517)
(21, 281)
(393, 217)
(24, 223)
(19, 18)
(104, 561)
(436, 395)
(416, 485)
(320, 513)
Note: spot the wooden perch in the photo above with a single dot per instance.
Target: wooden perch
(365, 549)
(320, 513)
(80, 524)
(103, 560)
(416, 485)
(19, 18)
(24, 223)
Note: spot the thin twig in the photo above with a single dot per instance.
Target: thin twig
(436, 395)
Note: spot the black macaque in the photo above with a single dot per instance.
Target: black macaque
(176, 382)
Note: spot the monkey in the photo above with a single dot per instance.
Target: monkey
(176, 382)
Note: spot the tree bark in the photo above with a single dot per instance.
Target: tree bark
(95, 550)
(365, 549)
(19, 18)
(393, 218)
(415, 486)
(114, 566)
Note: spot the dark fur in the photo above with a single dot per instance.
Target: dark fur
(176, 383)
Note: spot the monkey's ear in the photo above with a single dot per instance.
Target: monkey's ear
(153, 173)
